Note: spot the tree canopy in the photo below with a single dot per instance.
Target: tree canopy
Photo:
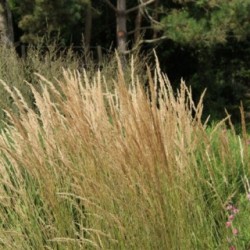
(207, 23)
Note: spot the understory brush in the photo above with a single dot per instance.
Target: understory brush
(94, 167)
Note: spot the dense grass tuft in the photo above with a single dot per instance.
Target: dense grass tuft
(89, 166)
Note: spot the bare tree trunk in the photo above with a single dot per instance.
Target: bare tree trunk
(155, 17)
(88, 27)
(6, 24)
(138, 22)
(121, 26)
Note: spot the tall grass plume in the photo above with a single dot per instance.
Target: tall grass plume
(115, 168)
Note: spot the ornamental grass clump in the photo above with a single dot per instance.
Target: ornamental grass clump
(121, 168)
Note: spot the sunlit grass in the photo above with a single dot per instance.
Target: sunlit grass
(89, 166)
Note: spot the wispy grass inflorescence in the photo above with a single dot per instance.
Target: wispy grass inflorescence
(121, 168)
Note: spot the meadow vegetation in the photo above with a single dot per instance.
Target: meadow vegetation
(92, 159)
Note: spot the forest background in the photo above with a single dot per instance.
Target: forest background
(205, 42)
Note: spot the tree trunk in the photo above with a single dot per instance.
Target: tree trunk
(6, 24)
(88, 27)
(121, 26)
(155, 17)
(138, 22)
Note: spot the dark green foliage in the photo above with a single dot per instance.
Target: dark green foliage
(213, 38)
(207, 23)
(41, 17)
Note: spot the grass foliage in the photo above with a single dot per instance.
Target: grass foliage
(86, 166)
